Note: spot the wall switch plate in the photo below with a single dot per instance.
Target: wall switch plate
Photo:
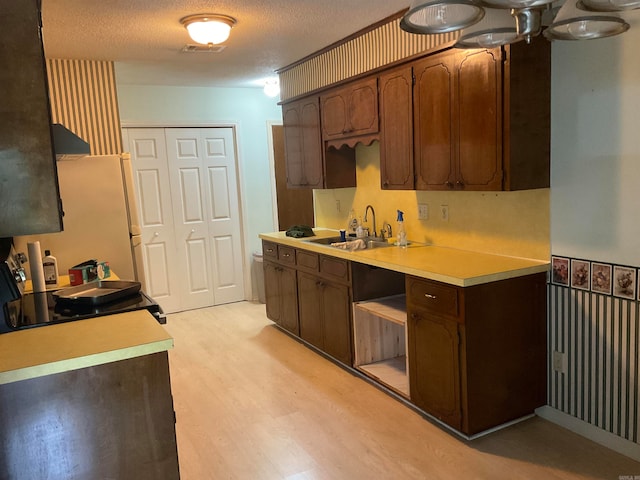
(558, 362)
(444, 213)
(423, 211)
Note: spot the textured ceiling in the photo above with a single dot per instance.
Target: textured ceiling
(145, 37)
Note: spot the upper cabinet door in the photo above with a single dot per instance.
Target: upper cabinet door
(351, 110)
(433, 127)
(478, 103)
(303, 147)
(29, 189)
(396, 130)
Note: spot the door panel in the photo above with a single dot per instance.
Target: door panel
(149, 159)
(223, 211)
(480, 120)
(432, 120)
(184, 154)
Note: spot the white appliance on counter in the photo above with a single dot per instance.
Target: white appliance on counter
(100, 216)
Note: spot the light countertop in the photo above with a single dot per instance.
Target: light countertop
(50, 349)
(449, 265)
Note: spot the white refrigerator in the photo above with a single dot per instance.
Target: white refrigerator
(100, 216)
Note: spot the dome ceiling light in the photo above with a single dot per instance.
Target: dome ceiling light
(489, 23)
(208, 28)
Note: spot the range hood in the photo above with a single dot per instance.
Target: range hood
(65, 142)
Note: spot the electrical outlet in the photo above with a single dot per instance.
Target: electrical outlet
(423, 211)
(444, 213)
(558, 362)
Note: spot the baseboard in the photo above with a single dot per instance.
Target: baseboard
(593, 433)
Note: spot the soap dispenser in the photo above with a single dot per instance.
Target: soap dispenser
(402, 235)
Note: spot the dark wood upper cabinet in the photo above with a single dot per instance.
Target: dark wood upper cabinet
(303, 148)
(28, 177)
(310, 163)
(458, 121)
(433, 121)
(453, 120)
(396, 129)
(480, 120)
(350, 110)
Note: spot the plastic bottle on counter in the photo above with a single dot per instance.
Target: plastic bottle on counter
(402, 235)
(50, 267)
(352, 224)
(360, 231)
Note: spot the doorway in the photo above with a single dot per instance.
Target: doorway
(187, 195)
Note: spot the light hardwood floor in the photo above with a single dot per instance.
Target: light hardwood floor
(253, 403)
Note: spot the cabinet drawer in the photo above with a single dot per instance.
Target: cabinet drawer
(287, 254)
(308, 261)
(269, 250)
(334, 268)
(435, 297)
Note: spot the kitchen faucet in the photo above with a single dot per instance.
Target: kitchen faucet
(373, 214)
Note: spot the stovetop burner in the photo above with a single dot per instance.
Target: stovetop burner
(39, 309)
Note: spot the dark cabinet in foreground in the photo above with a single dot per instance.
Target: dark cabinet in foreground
(28, 179)
(114, 420)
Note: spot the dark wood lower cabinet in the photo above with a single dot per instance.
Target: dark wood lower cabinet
(325, 316)
(108, 421)
(281, 294)
(477, 355)
(434, 363)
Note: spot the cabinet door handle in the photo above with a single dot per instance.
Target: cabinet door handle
(460, 184)
(448, 184)
(320, 284)
(415, 316)
(432, 297)
(286, 255)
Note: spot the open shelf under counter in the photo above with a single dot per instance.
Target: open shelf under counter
(380, 340)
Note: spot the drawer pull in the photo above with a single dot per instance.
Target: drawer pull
(286, 255)
(428, 295)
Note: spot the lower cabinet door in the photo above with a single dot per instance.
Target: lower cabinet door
(434, 366)
(272, 291)
(309, 307)
(289, 298)
(336, 309)
(281, 296)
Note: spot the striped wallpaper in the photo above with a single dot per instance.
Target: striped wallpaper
(375, 48)
(600, 337)
(83, 99)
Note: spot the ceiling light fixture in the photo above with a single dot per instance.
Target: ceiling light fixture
(574, 24)
(208, 28)
(271, 87)
(608, 5)
(441, 16)
(528, 16)
(495, 29)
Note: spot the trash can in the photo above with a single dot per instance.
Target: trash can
(258, 277)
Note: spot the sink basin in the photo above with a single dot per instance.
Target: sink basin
(369, 241)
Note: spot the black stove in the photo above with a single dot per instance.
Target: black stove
(19, 310)
(39, 309)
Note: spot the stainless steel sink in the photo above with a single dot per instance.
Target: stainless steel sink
(371, 242)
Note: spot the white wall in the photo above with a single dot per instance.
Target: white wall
(595, 148)
(249, 109)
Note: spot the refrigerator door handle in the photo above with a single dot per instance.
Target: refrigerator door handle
(130, 193)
